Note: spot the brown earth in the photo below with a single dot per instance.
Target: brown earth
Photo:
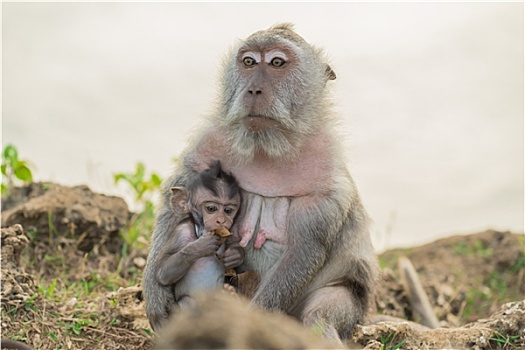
(70, 281)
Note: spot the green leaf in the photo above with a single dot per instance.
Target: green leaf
(23, 173)
(53, 336)
(51, 288)
(156, 180)
(11, 154)
(77, 328)
(139, 174)
(121, 176)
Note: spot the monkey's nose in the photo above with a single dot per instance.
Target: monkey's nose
(254, 91)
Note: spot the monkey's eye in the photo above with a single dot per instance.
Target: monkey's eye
(228, 210)
(277, 62)
(248, 61)
(211, 208)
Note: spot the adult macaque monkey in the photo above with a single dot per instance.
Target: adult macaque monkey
(302, 224)
(188, 260)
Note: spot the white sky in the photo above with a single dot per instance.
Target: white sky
(430, 96)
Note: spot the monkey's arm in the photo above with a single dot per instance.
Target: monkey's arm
(312, 225)
(176, 264)
(159, 298)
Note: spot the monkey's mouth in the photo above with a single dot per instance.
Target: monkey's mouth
(258, 122)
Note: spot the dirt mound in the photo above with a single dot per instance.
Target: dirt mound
(466, 277)
(49, 210)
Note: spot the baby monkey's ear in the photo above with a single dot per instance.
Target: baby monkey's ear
(179, 200)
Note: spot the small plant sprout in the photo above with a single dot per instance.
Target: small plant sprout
(14, 169)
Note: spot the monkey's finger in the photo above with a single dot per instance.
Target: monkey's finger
(228, 258)
(214, 239)
(233, 239)
(231, 261)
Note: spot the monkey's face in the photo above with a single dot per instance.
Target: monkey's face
(273, 95)
(217, 214)
(217, 211)
(265, 103)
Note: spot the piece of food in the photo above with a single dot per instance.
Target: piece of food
(222, 232)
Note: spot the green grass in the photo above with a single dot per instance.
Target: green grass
(391, 342)
(495, 290)
(477, 249)
(519, 265)
(390, 259)
(505, 341)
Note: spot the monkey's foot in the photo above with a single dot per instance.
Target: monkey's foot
(228, 288)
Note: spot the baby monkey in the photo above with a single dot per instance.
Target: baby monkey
(196, 255)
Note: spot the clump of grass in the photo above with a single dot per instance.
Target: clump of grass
(505, 341)
(391, 341)
(477, 249)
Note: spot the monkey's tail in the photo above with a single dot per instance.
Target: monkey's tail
(416, 294)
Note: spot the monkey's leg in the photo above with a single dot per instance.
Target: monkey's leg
(186, 302)
(332, 310)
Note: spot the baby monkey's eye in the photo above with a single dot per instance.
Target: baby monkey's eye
(211, 208)
(277, 62)
(228, 210)
(248, 61)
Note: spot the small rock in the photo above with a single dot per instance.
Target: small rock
(139, 262)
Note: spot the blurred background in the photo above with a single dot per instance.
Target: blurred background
(430, 95)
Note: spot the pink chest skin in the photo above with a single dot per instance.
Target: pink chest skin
(271, 184)
(272, 177)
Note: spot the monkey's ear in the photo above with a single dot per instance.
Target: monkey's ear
(330, 73)
(179, 199)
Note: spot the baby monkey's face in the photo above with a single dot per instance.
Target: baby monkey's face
(219, 212)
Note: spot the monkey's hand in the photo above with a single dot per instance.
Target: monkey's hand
(234, 254)
(206, 245)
